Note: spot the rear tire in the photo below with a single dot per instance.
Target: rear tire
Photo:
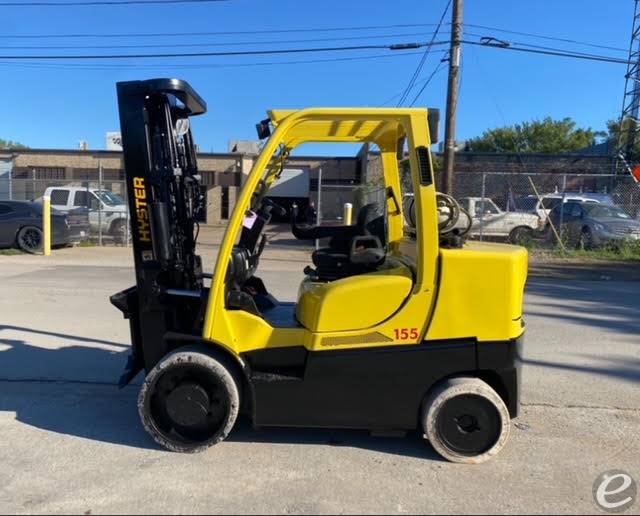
(465, 420)
(189, 401)
(30, 239)
(520, 235)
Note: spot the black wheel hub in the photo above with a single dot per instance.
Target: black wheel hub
(188, 404)
(469, 424)
(31, 239)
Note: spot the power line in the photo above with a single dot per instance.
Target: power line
(101, 66)
(426, 83)
(212, 44)
(543, 36)
(418, 83)
(394, 47)
(552, 52)
(217, 33)
(105, 2)
(418, 69)
(530, 45)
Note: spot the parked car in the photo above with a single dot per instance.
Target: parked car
(542, 206)
(590, 224)
(107, 210)
(21, 226)
(491, 221)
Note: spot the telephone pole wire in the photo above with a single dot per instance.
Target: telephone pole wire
(452, 97)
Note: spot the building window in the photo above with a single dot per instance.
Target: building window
(224, 203)
(51, 173)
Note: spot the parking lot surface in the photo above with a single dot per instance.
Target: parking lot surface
(71, 441)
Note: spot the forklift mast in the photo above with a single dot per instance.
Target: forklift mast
(165, 202)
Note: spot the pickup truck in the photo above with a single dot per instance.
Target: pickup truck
(490, 221)
(107, 210)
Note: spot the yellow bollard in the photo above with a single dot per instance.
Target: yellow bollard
(46, 225)
(347, 213)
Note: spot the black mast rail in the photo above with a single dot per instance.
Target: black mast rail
(165, 201)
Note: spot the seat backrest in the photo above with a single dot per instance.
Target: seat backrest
(366, 214)
(370, 222)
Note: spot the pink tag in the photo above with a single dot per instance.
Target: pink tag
(250, 220)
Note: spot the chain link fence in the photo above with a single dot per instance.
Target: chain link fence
(331, 199)
(519, 207)
(513, 207)
(96, 210)
(530, 209)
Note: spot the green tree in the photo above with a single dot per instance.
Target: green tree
(8, 144)
(628, 126)
(548, 136)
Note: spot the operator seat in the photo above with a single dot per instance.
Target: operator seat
(352, 250)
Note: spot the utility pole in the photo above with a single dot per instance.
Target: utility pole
(452, 97)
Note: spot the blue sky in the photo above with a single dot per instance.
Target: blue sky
(56, 105)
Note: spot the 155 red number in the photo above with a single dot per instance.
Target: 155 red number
(406, 333)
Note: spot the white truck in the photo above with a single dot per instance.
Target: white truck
(107, 210)
(490, 221)
(543, 205)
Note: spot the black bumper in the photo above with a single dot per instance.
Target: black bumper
(502, 363)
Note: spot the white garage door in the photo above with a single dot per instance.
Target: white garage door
(293, 182)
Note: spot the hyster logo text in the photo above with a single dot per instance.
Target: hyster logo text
(142, 213)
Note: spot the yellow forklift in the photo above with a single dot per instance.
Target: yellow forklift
(395, 328)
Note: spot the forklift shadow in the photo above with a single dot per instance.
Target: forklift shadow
(73, 391)
(26, 356)
(411, 445)
(70, 391)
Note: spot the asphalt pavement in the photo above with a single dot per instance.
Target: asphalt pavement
(71, 441)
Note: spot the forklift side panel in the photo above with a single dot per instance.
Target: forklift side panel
(379, 388)
(374, 388)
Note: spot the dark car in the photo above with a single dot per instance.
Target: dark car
(588, 225)
(21, 226)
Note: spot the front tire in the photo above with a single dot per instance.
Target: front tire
(465, 420)
(30, 239)
(189, 401)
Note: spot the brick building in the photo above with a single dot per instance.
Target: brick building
(534, 163)
(26, 173)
